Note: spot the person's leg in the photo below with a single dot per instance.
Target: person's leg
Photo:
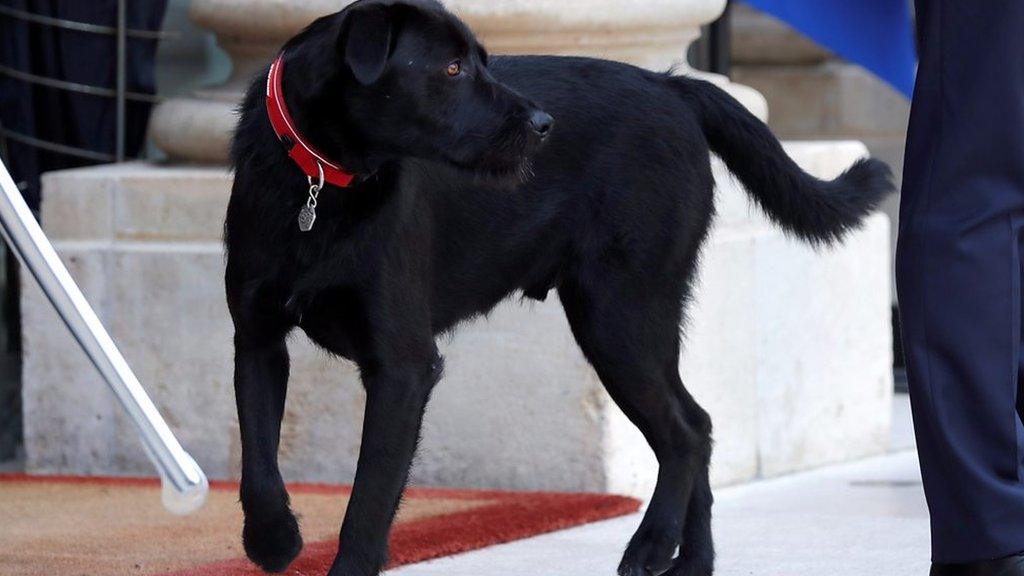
(959, 274)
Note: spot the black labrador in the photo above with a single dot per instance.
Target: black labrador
(475, 177)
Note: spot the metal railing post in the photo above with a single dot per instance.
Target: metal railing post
(122, 79)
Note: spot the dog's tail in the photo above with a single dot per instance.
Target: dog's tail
(818, 211)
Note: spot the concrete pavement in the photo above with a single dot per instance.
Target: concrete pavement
(863, 518)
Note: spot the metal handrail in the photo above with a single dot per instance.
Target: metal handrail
(57, 147)
(75, 86)
(84, 26)
(185, 486)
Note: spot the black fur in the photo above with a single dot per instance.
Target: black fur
(461, 203)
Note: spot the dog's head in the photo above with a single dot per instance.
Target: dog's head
(412, 80)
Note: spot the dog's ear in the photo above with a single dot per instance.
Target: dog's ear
(366, 41)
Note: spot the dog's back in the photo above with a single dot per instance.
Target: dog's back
(628, 161)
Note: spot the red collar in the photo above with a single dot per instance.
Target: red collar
(309, 159)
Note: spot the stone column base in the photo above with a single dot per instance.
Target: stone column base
(789, 350)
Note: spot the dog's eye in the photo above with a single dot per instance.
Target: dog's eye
(454, 68)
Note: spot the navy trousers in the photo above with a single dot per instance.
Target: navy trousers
(959, 274)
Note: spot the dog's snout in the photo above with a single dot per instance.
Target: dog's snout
(541, 123)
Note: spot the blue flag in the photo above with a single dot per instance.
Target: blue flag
(877, 34)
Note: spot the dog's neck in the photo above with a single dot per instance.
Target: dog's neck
(319, 121)
(312, 161)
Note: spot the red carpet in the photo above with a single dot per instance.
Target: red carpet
(103, 526)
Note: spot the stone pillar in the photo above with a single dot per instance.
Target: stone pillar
(197, 128)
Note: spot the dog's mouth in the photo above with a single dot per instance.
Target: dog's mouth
(508, 161)
(504, 172)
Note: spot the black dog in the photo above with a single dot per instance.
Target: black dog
(466, 191)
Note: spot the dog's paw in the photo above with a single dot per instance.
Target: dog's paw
(272, 542)
(651, 551)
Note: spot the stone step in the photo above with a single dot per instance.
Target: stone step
(832, 100)
(812, 94)
(827, 100)
(760, 39)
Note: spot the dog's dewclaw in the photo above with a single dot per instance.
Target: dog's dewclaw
(306, 218)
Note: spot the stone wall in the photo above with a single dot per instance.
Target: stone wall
(789, 349)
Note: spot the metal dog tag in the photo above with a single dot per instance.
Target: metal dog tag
(306, 218)
(308, 213)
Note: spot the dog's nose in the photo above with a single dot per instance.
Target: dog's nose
(541, 123)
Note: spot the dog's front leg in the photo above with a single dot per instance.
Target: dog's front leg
(271, 534)
(396, 397)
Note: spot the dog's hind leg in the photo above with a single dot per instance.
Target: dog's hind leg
(697, 552)
(631, 336)
(270, 535)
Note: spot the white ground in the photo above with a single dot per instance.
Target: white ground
(867, 517)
